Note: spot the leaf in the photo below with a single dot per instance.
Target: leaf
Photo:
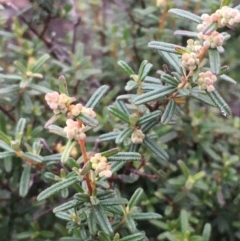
(4, 137)
(53, 157)
(8, 164)
(82, 197)
(108, 136)
(52, 120)
(152, 80)
(173, 60)
(87, 120)
(154, 95)
(184, 168)
(206, 232)
(40, 62)
(114, 201)
(92, 223)
(40, 88)
(66, 206)
(214, 60)
(25, 181)
(97, 96)
(184, 222)
(125, 156)
(220, 103)
(135, 198)
(5, 146)
(131, 84)
(102, 219)
(170, 80)
(20, 126)
(227, 78)
(149, 117)
(6, 154)
(103, 237)
(9, 89)
(126, 67)
(130, 224)
(145, 216)
(133, 237)
(186, 33)
(33, 157)
(118, 113)
(157, 150)
(225, 3)
(203, 97)
(168, 112)
(147, 86)
(56, 188)
(167, 47)
(186, 14)
(62, 83)
(69, 239)
(144, 69)
(122, 106)
(67, 150)
(123, 135)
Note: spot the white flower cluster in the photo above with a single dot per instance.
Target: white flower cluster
(137, 136)
(75, 110)
(58, 102)
(162, 3)
(213, 40)
(206, 81)
(100, 165)
(194, 46)
(74, 130)
(190, 60)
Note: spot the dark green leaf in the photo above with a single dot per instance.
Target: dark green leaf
(25, 181)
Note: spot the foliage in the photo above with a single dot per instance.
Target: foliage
(119, 153)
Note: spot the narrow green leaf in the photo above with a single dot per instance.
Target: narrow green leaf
(114, 201)
(206, 232)
(170, 80)
(126, 67)
(225, 3)
(102, 219)
(53, 157)
(40, 88)
(148, 87)
(203, 97)
(135, 198)
(40, 62)
(92, 223)
(214, 60)
(227, 78)
(144, 69)
(168, 112)
(33, 157)
(5, 146)
(8, 164)
(88, 120)
(122, 106)
(167, 47)
(149, 117)
(62, 83)
(184, 222)
(145, 216)
(67, 150)
(56, 188)
(25, 181)
(11, 76)
(97, 96)
(82, 197)
(6, 154)
(103, 237)
(185, 14)
(125, 156)
(184, 168)
(157, 150)
(20, 67)
(116, 166)
(130, 85)
(9, 89)
(5, 138)
(66, 206)
(152, 80)
(220, 103)
(130, 224)
(173, 60)
(154, 95)
(108, 136)
(63, 216)
(20, 126)
(105, 194)
(118, 113)
(110, 152)
(123, 135)
(133, 237)
(70, 239)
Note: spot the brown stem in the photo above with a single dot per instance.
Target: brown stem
(85, 159)
(7, 113)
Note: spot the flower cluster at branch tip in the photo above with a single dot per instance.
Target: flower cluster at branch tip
(194, 46)
(206, 81)
(162, 3)
(213, 40)
(58, 102)
(76, 110)
(137, 136)
(190, 60)
(74, 131)
(100, 165)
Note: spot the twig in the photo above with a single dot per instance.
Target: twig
(142, 174)
(7, 113)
